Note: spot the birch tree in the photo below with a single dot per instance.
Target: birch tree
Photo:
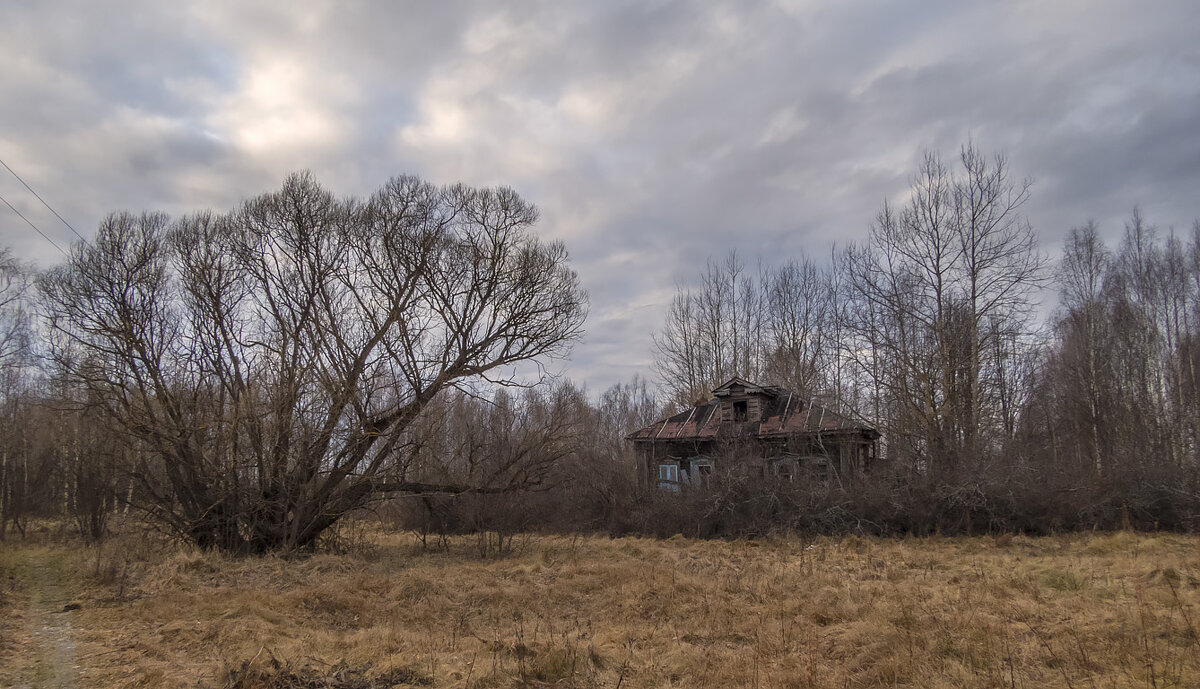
(942, 290)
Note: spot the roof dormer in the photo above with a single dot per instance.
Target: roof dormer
(741, 401)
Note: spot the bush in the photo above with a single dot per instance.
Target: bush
(1014, 500)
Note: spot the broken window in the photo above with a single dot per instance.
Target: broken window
(785, 469)
(739, 411)
(821, 469)
(700, 470)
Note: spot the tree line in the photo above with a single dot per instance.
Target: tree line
(245, 380)
(930, 330)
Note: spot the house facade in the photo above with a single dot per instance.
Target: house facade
(766, 431)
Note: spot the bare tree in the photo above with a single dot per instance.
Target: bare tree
(773, 326)
(1001, 267)
(799, 317)
(942, 292)
(21, 476)
(712, 332)
(270, 359)
(1124, 360)
(1085, 262)
(14, 316)
(680, 358)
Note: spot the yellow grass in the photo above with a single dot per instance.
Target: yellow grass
(1114, 610)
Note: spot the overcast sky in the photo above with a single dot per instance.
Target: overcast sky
(652, 135)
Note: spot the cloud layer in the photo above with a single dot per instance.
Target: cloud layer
(651, 135)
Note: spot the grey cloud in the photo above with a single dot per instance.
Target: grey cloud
(652, 135)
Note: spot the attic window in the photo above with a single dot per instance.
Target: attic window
(739, 411)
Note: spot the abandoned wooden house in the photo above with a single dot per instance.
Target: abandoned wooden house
(764, 431)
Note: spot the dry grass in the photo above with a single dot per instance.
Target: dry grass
(13, 603)
(1117, 610)
(33, 638)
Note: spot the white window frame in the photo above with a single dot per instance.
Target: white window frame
(668, 476)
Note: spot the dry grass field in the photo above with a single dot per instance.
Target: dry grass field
(1108, 610)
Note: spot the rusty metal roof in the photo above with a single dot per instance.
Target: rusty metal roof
(784, 414)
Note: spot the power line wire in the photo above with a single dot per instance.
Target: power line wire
(39, 198)
(35, 227)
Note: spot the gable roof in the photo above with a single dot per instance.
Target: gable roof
(726, 387)
(784, 414)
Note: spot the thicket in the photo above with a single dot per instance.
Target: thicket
(1024, 500)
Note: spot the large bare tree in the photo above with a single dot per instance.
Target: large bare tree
(266, 362)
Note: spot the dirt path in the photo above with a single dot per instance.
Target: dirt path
(45, 637)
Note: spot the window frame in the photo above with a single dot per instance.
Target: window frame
(671, 480)
(741, 411)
